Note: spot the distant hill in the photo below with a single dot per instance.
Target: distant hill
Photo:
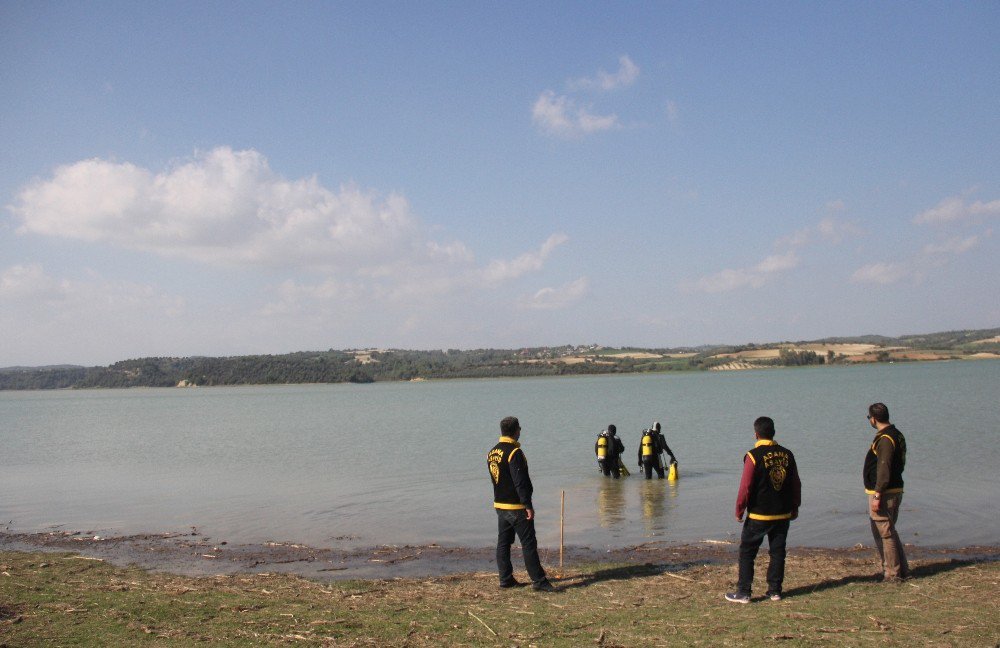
(370, 365)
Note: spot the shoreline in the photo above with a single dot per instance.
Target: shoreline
(194, 554)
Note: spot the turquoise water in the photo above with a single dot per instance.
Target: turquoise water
(393, 463)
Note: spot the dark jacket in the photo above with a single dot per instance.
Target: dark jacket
(615, 447)
(770, 488)
(508, 468)
(884, 463)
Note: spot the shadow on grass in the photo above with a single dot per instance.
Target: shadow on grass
(916, 573)
(625, 572)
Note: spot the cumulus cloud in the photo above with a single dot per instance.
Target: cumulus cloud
(221, 207)
(502, 270)
(882, 273)
(559, 297)
(952, 246)
(27, 282)
(829, 230)
(31, 286)
(751, 277)
(626, 75)
(956, 209)
(915, 268)
(560, 116)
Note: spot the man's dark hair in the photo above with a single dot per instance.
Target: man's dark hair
(509, 426)
(611, 429)
(879, 412)
(764, 427)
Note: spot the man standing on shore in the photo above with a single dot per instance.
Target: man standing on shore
(770, 492)
(512, 491)
(883, 478)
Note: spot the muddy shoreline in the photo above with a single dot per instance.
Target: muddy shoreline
(194, 554)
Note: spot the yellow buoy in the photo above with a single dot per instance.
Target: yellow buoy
(673, 472)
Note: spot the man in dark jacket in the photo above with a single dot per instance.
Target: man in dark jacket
(883, 478)
(609, 449)
(651, 448)
(512, 491)
(770, 492)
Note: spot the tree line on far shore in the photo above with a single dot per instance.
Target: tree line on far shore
(353, 366)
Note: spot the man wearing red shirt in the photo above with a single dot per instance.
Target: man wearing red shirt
(770, 493)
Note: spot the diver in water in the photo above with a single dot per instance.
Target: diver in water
(608, 449)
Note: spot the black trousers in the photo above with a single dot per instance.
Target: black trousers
(516, 522)
(649, 464)
(609, 467)
(750, 541)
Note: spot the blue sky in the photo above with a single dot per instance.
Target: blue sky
(187, 178)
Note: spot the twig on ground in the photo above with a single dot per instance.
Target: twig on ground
(473, 615)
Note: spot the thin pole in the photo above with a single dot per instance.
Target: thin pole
(562, 527)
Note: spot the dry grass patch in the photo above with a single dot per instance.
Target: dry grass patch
(831, 600)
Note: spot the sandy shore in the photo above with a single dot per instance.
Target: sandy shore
(192, 553)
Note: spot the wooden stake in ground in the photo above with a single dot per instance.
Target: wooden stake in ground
(562, 527)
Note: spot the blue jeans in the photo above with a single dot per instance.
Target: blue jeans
(750, 541)
(510, 523)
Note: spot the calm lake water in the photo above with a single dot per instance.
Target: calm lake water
(393, 463)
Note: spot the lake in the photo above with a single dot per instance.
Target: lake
(393, 463)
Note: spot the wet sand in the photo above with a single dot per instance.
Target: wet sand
(192, 553)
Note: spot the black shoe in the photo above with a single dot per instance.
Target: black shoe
(544, 586)
(511, 583)
(738, 597)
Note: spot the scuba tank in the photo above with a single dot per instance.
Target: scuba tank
(648, 444)
(602, 445)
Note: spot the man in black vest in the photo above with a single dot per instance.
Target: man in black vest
(512, 500)
(770, 492)
(883, 478)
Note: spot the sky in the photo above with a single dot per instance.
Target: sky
(230, 178)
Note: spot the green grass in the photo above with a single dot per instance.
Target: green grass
(62, 599)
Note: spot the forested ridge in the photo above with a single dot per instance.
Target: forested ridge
(366, 366)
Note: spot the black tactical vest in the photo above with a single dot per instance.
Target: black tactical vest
(498, 461)
(771, 496)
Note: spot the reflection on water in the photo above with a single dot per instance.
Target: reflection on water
(658, 500)
(611, 503)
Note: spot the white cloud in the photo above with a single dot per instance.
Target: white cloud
(27, 282)
(501, 270)
(560, 297)
(625, 76)
(560, 116)
(30, 289)
(932, 255)
(955, 209)
(952, 246)
(881, 273)
(221, 207)
(829, 229)
(752, 277)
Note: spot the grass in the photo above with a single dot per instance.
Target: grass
(64, 599)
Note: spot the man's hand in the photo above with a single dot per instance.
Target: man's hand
(739, 517)
(529, 513)
(795, 514)
(876, 505)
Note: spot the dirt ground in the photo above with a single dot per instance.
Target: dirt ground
(194, 554)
